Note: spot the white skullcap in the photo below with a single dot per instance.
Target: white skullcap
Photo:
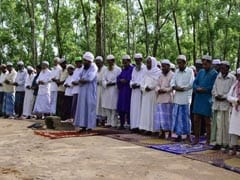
(62, 60)
(166, 61)
(99, 58)
(198, 61)
(126, 57)
(216, 61)
(88, 56)
(70, 66)
(9, 64)
(207, 57)
(172, 66)
(238, 71)
(182, 57)
(30, 68)
(20, 63)
(46, 63)
(110, 57)
(138, 56)
(56, 59)
(225, 63)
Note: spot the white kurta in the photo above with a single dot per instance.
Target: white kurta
(234, 125)
(55, 73)
(99, 90)
(28, 98)
(110, 93)
(136, 98)
(148, 104)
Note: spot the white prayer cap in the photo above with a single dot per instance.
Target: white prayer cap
(198, 61)
(126, 57)
(182, 57)
(207, 57)
(30, 68)
(238, 71)
(216, 61)
(70, 66)
(62, 60)
(20, 63)
(172, 66)
(166, 61)
(46, 63)
(99, 58)
(138, 56)
(225, 63)
(57, 59)
(88, 56)
(110, 57)
(9, 63)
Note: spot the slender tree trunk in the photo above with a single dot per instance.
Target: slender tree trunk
(225, 49)
(85, 17)
(176, 32)
(194, 38)
(104, 29)
(128, 28)
(99, 46)
(145, 27)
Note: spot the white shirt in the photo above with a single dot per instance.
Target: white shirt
(29, 80)
(76, 77)
(2, 79)
(55, 73)
(45, 76)
(68, 81)
(183, 79)
(137, 76)
(20, 79)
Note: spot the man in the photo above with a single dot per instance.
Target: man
(124, 91)
(148, 85)
(9, 92)
(182, 84)
(198, 65)
(221, 106)
(75, 84)
(4, 72)
(61, 88)
(202, 107)
(101, 70)
(29, 98)
(20, 89)
(234, 126)
(85, 117)
(68, 95)
(136, 97)
(110, 91)
(55, 76)
(42, 106)
(164, 107)
(216, 63)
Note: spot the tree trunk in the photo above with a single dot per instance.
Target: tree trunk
(128, 28)
(176, 32)
(226, 34)
(104, 29)
(99, 44)
(194, 38)
(85, 17)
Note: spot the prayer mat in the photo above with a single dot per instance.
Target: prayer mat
(155, 141)
(63, 134)
(180, 148)
(109, 131)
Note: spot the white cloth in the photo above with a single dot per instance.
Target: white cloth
(183, 79)
(20, 79)
(42, 104)
(136, 97)
(110, 93)
(99, 90)
(44, 76)
(68, 90)
(55, 73)
(28, 98)
(234, 125)
(76, 77)
(2, 79)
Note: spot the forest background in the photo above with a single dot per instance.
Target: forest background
(37, 30)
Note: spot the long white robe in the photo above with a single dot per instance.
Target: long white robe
(136, 98)
(28, 98)
(100, 90)
(234, 125)
(110, 93)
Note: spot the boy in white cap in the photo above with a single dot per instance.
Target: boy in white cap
(221, 106)
(4, 72)
(9, 91)
(234, 126)
(216, 63)
(85, 117)
(20, 89)
(110, 91)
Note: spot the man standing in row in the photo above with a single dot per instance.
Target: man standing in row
(4, 72)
